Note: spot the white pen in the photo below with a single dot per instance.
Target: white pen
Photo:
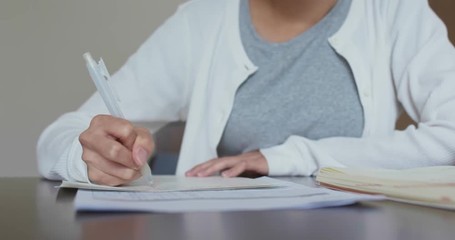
(100, 76)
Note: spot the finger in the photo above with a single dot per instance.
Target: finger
(193, 170)
(220, 165)
(200, 167)
(235, 171)
(118, 128)
(143, 146)
(99, 177)
(110, 149)
(93, 159)
(144, 139)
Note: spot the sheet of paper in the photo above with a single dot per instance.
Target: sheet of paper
(176, 183)
(288, 196)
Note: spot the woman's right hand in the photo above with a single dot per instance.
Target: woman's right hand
(115, 150)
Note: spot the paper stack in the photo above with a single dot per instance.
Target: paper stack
(178, 194)
(429, 186)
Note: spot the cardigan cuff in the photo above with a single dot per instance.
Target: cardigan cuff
(77, 169)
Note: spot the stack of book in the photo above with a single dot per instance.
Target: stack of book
(429, 186)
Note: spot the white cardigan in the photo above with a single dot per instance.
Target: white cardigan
(191, 67)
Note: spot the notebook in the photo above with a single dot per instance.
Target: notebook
(429, 186)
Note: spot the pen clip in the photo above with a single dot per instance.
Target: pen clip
(107, 77)
(103, 70)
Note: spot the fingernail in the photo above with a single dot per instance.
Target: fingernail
(142, 156)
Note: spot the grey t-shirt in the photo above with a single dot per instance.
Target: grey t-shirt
(302, 87)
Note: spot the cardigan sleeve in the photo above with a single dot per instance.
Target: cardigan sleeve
(152, 86)
(423, 69)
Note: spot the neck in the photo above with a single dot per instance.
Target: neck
(281, 20)
(294, 10)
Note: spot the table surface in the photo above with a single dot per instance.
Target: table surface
(32, 208)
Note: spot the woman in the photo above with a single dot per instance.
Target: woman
(272, 87)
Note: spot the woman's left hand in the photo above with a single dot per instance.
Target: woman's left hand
(252, 163)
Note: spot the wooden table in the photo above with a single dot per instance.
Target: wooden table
(32, 208)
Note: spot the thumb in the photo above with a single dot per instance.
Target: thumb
(143, 147)
(140, 156)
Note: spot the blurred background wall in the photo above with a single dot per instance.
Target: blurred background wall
(42, 73)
